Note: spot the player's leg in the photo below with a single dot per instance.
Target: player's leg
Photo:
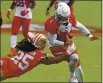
(74, 64)
(25, 26)
(79, 72)
(14, 29)
(75, 67)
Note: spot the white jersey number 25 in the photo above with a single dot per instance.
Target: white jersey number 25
(21, 60)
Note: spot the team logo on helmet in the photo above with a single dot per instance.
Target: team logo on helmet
(62, 12)
(39, 40)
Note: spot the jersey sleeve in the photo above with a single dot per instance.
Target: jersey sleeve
(41, 55)
(72, 17)
(51, 26)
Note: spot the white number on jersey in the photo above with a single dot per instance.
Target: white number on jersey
(20, 3)
(21, 60)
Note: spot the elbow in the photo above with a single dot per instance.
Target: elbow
(52, 42)
(33, 5)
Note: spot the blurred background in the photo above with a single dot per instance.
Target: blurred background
(88, 13)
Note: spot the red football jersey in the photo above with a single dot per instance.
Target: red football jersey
(22, 3)
(21, 63)
(52, 26)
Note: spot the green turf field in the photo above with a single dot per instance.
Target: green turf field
(89, 52)
(87, 12)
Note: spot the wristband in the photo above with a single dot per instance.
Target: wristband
(9, 10)
(29, 9)
(90, 36)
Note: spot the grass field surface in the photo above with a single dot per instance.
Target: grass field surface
(89, 53)
(87, 12)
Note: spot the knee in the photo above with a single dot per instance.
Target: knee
(74, 58)
(14, 32)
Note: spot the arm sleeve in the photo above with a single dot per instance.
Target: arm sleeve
(53, 40)
(82, 28)
(33, 4)
(13, 5)
(51, 3)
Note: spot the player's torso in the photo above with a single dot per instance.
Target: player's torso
(23, 62)
(22, 5)
(53, 27)
(62, 33)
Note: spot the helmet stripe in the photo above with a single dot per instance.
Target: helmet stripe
(37, 38)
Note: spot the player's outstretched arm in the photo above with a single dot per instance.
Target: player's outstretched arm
(93, 37)
(48, 8)
(54, 60)
(86, 31)
(10, 9)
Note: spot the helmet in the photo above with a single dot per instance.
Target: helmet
(62, 12)
(39, 40)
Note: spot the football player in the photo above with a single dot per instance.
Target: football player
(68, 2)
(22, 17)
(59, 28)
(29, 54)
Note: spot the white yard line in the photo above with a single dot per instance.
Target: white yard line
(32, 27)
(96, 66)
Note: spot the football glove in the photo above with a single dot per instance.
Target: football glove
(47, 11)
(8, 13)
(24, 12)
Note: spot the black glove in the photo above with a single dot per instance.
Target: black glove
(47, 11)
(0, 22)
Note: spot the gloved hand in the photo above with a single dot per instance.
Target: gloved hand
(94, 38)
(68, 41)
(8, 13)
(47, 11)
(24, 12)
